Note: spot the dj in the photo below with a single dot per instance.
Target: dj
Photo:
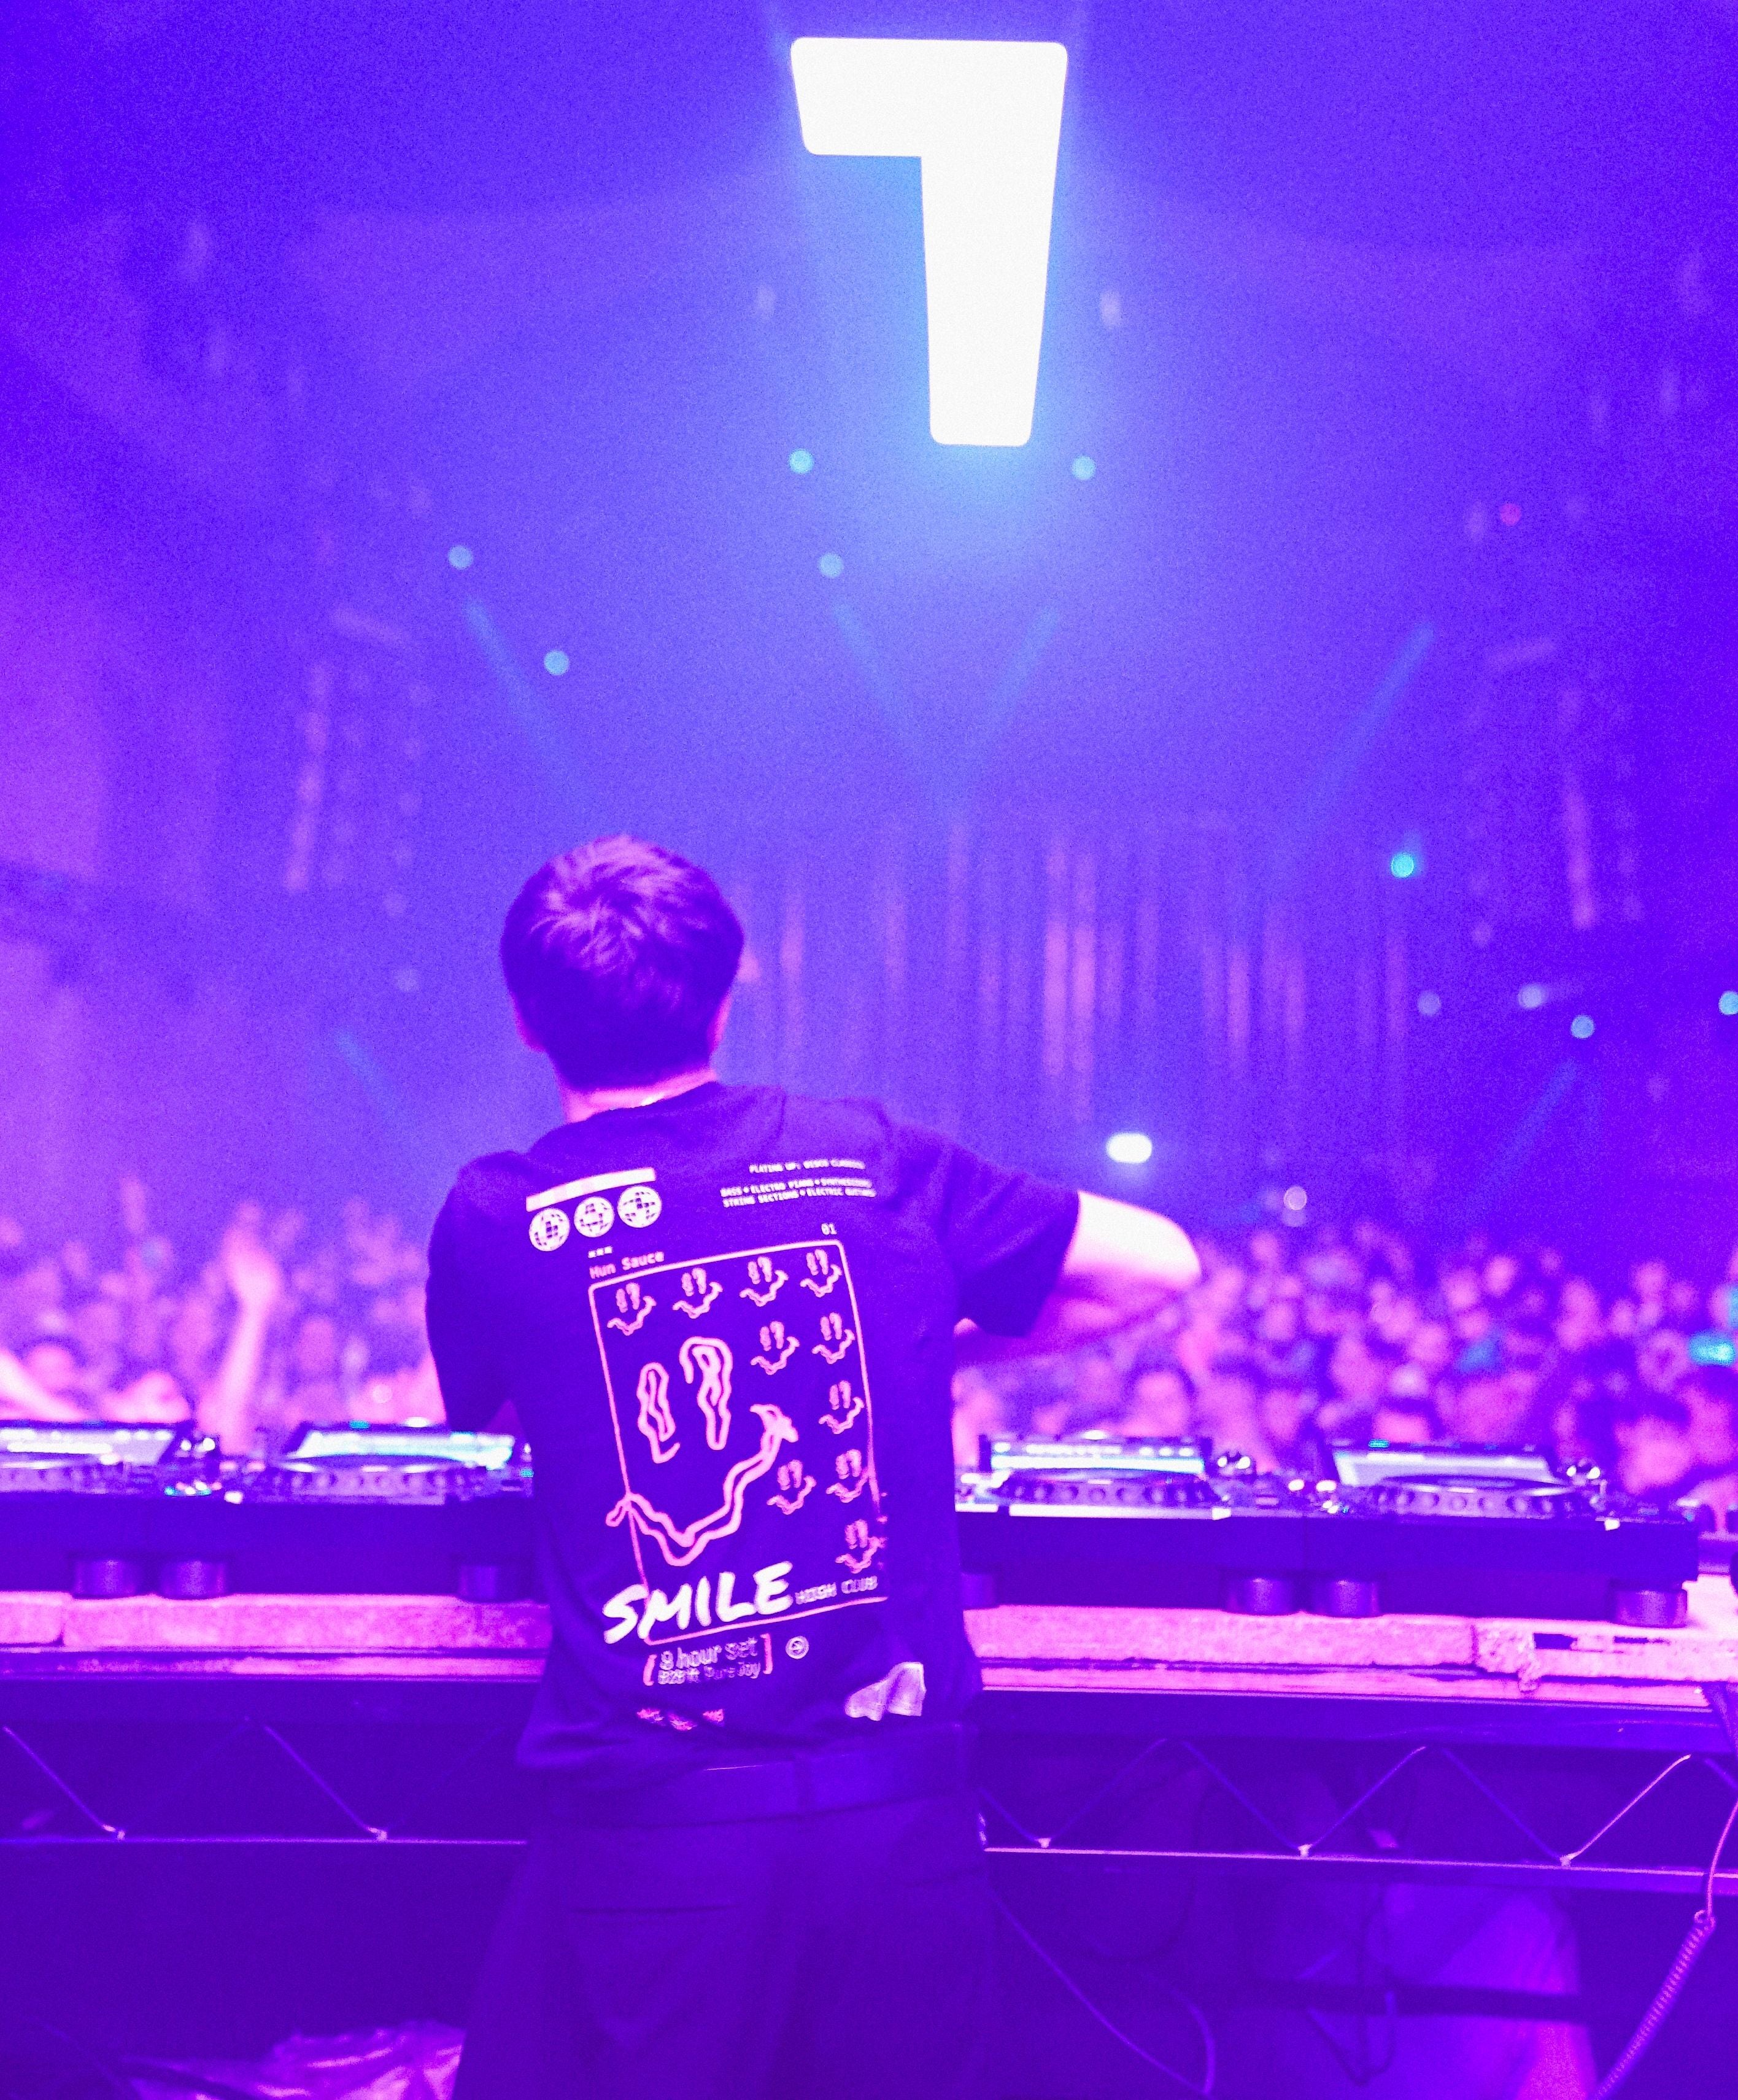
(726, 1319)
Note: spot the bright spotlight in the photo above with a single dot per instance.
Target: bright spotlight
(1403, 866)
(984, 119)
(1129, 1148)
(1729, 1003)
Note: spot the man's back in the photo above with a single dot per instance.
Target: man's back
(726, 1320)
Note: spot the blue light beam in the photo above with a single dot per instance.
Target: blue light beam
(541, 726)
(1347, 755)
(985, 119)
(1519, 1145)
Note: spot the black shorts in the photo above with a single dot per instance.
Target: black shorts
(837, 1954)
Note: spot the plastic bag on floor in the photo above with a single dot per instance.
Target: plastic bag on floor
(417, 2062)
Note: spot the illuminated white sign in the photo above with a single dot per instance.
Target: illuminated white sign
(984, 119)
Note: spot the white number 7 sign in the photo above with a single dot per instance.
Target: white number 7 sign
(984, 119)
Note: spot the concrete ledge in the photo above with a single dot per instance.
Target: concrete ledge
(31, 1618)
(334, 1625)
(1020, 1646)
(1091, 1645)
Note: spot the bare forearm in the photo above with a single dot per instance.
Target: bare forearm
(225, 1409)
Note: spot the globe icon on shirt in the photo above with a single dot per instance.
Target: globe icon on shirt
(639, 1206)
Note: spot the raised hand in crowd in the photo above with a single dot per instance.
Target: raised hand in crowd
(229, 1407)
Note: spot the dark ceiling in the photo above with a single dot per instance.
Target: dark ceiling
(1458, 123)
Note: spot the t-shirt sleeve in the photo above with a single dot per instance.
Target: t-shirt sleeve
(462, 1333)
(1004, 1234)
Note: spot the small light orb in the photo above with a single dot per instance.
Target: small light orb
(1129, 1148)
(802, 462)
(832, 565)
(1295, 1199)
(1582, 1027)
(1530, 998)
(1084, 468)
(1729, 1003)
(1430, 1005)
(461, 557)
(556, 662)
(1403, 865)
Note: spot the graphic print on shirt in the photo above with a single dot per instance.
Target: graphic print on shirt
(699, 1290)
(764, 1281)
(824, 1272)
(633, 1308)
(728, 1423)
(657, 1424)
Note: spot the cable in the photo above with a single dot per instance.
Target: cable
(1701, 1932)
(1209, 2072)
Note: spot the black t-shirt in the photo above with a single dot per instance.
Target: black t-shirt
(725, 1321)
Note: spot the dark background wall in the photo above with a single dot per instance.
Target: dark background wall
(1404, 357)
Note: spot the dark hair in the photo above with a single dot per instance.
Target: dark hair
(1239, 1363)
(1715, 1382)
(617, 955)
(1155, 1356)
(1641, 1400)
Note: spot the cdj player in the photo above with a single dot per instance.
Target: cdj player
(353, 1462)
(1108, 1521)
(108, 1510)
(87, 1457)
(1412, 1529)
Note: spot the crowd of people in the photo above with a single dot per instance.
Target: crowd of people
(1294, 1340)
(276, 1327)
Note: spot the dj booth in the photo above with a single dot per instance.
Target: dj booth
(1298, 1697)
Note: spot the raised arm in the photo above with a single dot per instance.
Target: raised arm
(228, 1408)
(1122, 1265)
